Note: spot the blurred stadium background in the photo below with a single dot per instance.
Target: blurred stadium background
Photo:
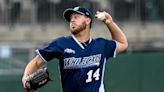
(28, 24)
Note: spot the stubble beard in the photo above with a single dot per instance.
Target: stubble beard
(78, 29)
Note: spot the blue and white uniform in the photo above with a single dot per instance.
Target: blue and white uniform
(82, 68)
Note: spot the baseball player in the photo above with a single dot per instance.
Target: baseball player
(81, 58)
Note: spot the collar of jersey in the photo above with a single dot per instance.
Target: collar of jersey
(90, 39)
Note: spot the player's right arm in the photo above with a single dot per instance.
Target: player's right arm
(116, 32)
(31, 67)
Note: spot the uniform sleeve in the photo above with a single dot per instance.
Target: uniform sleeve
(49, 52)
(110, 48)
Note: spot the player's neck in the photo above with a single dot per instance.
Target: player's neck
(83, 36)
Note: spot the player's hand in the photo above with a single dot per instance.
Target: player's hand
(107, 19)
(24, 81)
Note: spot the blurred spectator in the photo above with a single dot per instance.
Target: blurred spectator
(14, 10)
(148, 10)
(45, 10)
(123, 9)
(161, 9)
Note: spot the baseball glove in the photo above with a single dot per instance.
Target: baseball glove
(37, 79)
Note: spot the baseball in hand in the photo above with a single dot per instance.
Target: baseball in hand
(101, 16)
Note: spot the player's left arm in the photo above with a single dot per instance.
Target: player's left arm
(116, 33)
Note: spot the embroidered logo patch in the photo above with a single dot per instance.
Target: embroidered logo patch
(68, 50)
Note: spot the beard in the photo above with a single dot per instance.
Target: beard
(78, 29)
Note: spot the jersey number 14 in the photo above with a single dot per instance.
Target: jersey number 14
(93, 75)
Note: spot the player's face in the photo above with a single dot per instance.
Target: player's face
(77, 23)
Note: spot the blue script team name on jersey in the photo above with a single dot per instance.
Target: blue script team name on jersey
(82, 62)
